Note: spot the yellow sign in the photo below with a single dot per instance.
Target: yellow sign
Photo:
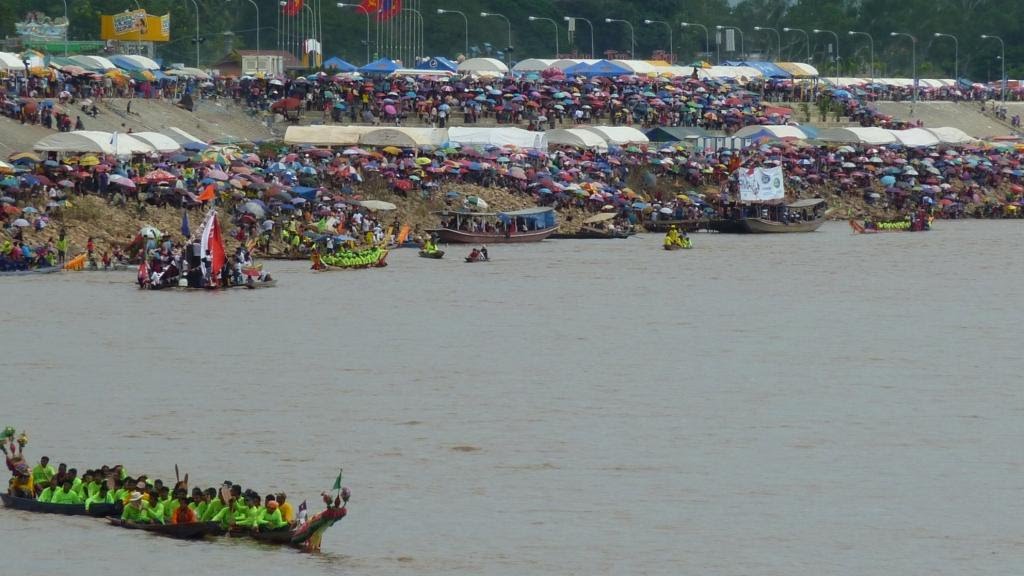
(136, 26)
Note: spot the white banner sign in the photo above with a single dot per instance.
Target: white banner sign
(761, 184)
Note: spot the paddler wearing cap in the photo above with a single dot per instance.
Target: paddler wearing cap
(133, 510)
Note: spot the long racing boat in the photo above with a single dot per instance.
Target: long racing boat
(29, 505)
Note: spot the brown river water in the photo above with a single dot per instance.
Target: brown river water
(809, 404)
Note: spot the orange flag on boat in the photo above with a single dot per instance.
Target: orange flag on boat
(209, 193)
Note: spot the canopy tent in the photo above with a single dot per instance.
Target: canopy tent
(770, 131)
(637, 66)
(858, 135)
(180, 136)
(420, 73)
(10, 61)
(618, 135)
(404, 137)
(96, 63)
(338, 65)
(578, 69)
(915, 137)
(948, 135)
(326, 135)
(735, 72)
(188, 73)
(159, 142)
(483, 66)
(532, 65)
(567, 63)
(382, 66)
(81, 141)
(499, 137)
(438, 63)
(677, 134)
(674, 71)
(798, 69)
(133, 62)
(605, 68)
(576, 138)
(767, 69)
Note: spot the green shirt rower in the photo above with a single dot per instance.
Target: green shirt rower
(43, 472)
(66, 496)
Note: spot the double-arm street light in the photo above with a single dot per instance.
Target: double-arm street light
(632, 35)
(671, 48)
(871, 44)
(807, 39)
(572, 19)
(836, 55)
(913, 59)
(464, 18)
(553, 23)
(1002, 78)
(777, 36)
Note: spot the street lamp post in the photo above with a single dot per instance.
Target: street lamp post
(1002, 77)
(553, 23)
(508, 51)
(871, 43)
(777, 36)
(589, 23)
(956, 57)
(707, 36)
(743, 49)
(632, 35)
(807, 39)
(671, 48)
(913, 59)
(836, 55)
(254, 5)
(463, 14)
(417, 44)
(197, 31)
(67, 27)
(344, 5)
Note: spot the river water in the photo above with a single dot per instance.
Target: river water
(808, 404)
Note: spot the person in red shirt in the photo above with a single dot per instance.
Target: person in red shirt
(183, 514)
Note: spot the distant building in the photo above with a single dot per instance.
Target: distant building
(239, 63)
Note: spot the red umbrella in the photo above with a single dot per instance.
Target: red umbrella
(286, 104)
(158, 176)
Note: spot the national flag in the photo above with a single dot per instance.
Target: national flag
(292, 7)
(214, 243)
(113, 141)
(337, 482)
(209, 193)
(389, 9)
(185, 230)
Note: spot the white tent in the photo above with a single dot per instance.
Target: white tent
(81, 141)
(777, 131)
(532, 65)
(94, 62)
(570, 62)
(159, 142)
(326, 135)
(915, 137)
(10, 61)
(576, 138)
(498, 137)
(618, 135)
(858, 135)
(734, 72)
(189, 73)
(483, 66)
(142, 61)
(949, 135)
(180, 136)
(404, 137)
(637, 66)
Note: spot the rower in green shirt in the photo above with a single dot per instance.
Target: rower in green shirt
(66, 495)
(102, 496)
(47, 494)
(43, 472)
(133, 510)
(270, 515)
(154, 512)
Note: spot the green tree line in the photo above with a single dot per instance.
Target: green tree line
(232, 23)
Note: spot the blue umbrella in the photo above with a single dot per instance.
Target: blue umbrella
(887, 180)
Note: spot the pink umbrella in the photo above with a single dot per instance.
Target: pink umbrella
(217, 175)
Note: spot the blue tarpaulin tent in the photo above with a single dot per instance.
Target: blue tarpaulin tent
(382, 66)
(438, 63)
(606, 68)
(577, 69)
(769, 69)
(338, 64)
